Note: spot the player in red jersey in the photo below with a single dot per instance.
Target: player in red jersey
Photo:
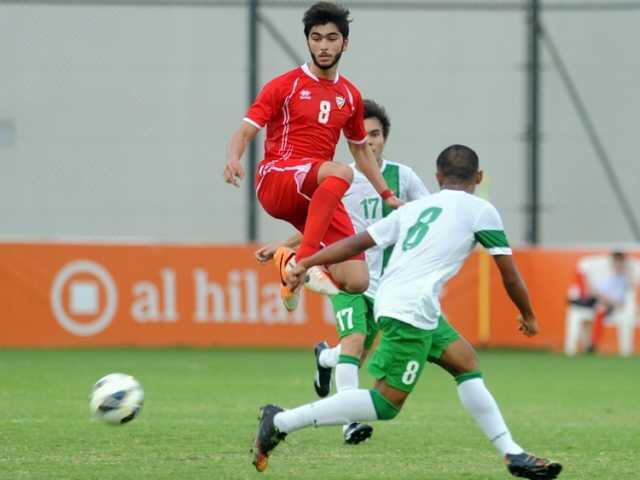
(304, 111)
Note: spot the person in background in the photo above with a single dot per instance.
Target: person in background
(604, 297)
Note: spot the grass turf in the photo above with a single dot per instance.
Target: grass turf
(201, 407)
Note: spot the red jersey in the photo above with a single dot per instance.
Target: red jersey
(304, 115)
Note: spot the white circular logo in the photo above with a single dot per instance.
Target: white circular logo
(84, 299)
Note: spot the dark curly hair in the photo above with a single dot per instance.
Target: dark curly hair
(321, 13)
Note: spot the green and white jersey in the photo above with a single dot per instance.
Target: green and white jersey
(433, 237)
(365, 208)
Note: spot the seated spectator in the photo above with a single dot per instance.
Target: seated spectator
(604, 296)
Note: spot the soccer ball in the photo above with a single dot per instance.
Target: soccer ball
(116, 398)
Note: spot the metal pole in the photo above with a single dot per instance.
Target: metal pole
(280, 40)
(533, 127)
(252, 154)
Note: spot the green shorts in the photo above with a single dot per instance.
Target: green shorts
(400, 356)
(354, 314)
(443, 336)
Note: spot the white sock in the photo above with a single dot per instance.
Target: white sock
(481, 405)
(346, 376)
(329, 356)
(344, 407)
(346, 379)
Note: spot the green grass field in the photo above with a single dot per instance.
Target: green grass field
(201, 406)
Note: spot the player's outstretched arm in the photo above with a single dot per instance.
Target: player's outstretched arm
(233, 170)
(266, 253)
(335, 253)
(517, 290)
(367, 164)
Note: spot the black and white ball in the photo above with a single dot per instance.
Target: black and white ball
(116, 398)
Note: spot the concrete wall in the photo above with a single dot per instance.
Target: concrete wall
(116, 119)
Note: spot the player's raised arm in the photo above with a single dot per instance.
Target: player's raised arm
(233, 170)
(367, 164)
(517, 290)
(364, 157)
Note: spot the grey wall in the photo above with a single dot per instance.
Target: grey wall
(122, 114)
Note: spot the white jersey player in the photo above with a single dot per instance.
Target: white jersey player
(435, 236)
(432, 237)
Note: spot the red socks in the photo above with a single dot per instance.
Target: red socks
(324, 201)
(578, 288)
(598, 326)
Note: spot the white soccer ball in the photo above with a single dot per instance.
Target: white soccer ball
(116, 398)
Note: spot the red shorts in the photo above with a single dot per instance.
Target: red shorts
(284, 189)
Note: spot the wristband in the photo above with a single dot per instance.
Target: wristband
(386, 194)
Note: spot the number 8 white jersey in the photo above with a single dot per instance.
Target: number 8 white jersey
(365, 208)
(433, 237)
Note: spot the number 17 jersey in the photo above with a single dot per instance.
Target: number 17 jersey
(433, 237)
(365, 208)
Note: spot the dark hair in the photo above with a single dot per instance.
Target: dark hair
(321, 13)
(619, 256)
(375, 110)
(458, 162)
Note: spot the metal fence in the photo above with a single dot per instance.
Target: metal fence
(497, 71)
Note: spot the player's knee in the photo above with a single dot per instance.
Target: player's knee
(467, 364)
(472, 364)
(385, 409)
(352, 345)
(356, 284)
(463, 367)
(459, 358)
(342, 171)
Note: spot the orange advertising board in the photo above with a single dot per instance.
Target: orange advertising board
(57, 295)
(66, 295)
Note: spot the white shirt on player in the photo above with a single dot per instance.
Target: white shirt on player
(433, 237)
(365, 207)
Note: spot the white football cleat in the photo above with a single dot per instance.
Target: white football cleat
(318, 280)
